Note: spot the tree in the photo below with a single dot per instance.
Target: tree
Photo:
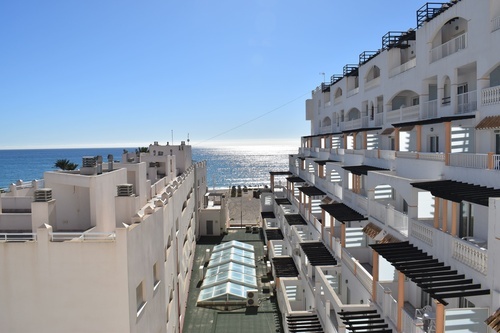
(65, 164)
(142, 150)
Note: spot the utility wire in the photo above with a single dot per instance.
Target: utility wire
(254, 119)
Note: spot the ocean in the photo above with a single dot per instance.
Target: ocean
(226, 165)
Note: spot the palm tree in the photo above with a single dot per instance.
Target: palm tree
(65, 164)
(142, 150)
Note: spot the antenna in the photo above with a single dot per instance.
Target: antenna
(188, 139)
(172, 131)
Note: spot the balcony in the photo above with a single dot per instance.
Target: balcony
(410, 113)
(466, 102)
(354, 124)
(475, 161)
(449, 48)
(388, 215)
(379, 119)
(353, 92)
(372, 83)
(358, 269)
(403, 68)
(490, 96)
(358, 202)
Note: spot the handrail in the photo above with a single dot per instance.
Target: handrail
(448, 48)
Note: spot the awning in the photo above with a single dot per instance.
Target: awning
(493, 321)
(323, 162)
(364, 320)
(295, 219)
(371, 230)
(274, 234)
(284, 267)
(387, 131)
(431, 275)
(267, 215)
(362, 169)
(458, 191)
(295, 180)
(406, 128)
(343, 213)
(304, 323)
(365, 129)
(280, 173)
(434, 120)
(282, 201)
(311, 191)
(318, 254)
(490, 122)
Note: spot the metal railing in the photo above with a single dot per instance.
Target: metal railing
(82, 236)
(466, 102)
(17, 237)
(429, 110)
(464, 160)
(408, 113)
(452, 46)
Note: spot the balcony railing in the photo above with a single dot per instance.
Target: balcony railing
(422, 231)
(495, 24)
(450, 47)
(490, 96)
(471, 255)
(358, 270)
(379, 119)
(409, 113)
(403, 68)
(464, 160)
(353, 92)
(429, 110)
(372, 83)
(17, 237)
(466, 102)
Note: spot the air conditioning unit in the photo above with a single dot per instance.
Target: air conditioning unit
(252, 297)
(201, 272)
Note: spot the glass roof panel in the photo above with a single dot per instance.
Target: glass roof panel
(233, 243)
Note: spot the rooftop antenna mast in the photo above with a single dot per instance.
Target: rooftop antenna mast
(172, 132)
(188, 139)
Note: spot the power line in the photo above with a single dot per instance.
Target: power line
(254, 119)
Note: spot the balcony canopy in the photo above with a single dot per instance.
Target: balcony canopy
(295, 219)
(364, 129)
(491, 122)
(343, 213)
(280, 173)
(362, 169)
(318, 254)
(458, 191)
(436, 279)
(323, 162)
(364, 320)
(284, 267)
(295, 179)
(311, 191)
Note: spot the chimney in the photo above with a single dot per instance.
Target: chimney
(110, 162)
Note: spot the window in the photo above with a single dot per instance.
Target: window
(140, 300)
(156, 276)
(466, 227)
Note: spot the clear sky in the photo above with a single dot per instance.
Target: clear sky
(85, 73)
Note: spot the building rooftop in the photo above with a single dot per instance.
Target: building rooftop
(233, 318)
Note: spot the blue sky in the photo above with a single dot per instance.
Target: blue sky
(126, 73)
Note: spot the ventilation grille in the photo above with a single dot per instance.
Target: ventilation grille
(125, 190)
(43, 195)
(89, 161)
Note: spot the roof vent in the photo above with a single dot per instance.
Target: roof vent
(89, 161)
(43, 195)
(125, 190)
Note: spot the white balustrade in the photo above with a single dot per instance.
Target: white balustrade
(464, 160)
(448, 48)
(403, 68)
(490, 96)
(471, 255)
(409, 113)
(372, 83)
(388, 154)
(407, 154)
(422, 231)
(353, 92)
(432, 156)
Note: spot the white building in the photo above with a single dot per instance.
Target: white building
(107, 248)
(391, 218)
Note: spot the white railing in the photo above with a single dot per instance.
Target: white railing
(372, 83)
(430, 109)
(379, 119)
(397, 220)
(471, 255)
(324, 129)
(432, 156)
(464, 160)
(17, 237)
(388, 154)
(495, 24)
(490, 96)
(448, 48)
(408, 113)
(407, 154)
(403, 68)
(466, 102)
(380, 295)
(82, 236)
(351, 124)
(377, 211)
(353, 92)
(358, 270)
(393, 308)
(422, 231)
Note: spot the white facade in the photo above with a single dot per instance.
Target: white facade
(415, 109)
(106, 251)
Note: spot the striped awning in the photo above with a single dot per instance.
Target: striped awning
(493, 321)
(490, 122)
